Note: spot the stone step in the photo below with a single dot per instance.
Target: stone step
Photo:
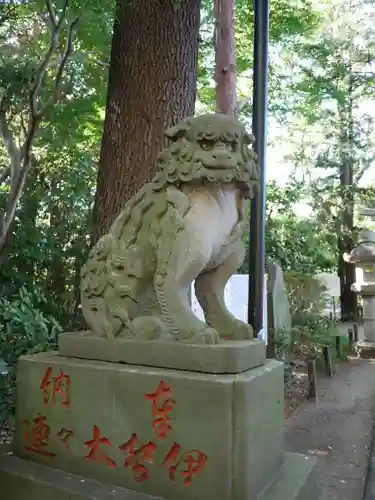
(296, 480)
(25, 480)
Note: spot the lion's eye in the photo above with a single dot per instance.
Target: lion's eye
(206, 145)
(233, 146)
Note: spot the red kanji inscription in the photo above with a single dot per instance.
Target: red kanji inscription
(37, 438)
(64, 435)
(172, 457)
(60, 386)
(96, 454)
(194, 465)
(45, 383)
(161, 424)
(136, 458)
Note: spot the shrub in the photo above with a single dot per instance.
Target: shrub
(310, 337)
(307, 296)
(311, 330)
(24, 329)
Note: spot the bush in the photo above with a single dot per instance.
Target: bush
(311, 330)
(307, 296)
(24, 329)
(310, 337)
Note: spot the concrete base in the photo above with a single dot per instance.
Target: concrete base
(168, 433)
(366, 349)
(24, 480)
(226, 357)
(296, 480)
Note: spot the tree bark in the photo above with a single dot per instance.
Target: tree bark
(152, 85)
(225, 57)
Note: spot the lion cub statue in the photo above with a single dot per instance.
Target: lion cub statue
(186, 224)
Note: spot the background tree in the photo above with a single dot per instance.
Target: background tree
(335, 84)
(298, 243)
(152, 85)
(25, 95)
(51, 224)
(225, 56)
(53, 221)
(288, 22)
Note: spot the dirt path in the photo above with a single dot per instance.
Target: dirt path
(338, 429)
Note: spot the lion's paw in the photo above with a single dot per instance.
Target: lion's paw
(236, 330)
(242, 331)
(202, 336)
(147, 327)
(211, 336)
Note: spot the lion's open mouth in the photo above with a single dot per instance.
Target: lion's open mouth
(219, 165)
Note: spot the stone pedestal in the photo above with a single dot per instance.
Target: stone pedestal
(363, 256)
(369, 315)
(154, 432)
(366, 348)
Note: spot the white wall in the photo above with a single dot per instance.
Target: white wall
(236, 298)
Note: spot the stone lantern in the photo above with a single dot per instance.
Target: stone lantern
(363, 256)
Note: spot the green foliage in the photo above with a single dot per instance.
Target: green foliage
(301, 244)
(307, 295)
(311, 330)
(332, 79)
(24, 329)
(52, 223)
(310, 337)
(39, 273)
(288, 20)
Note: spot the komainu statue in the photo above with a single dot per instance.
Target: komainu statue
(186, 224)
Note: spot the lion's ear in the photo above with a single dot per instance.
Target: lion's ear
(179, 130)
(249, 139)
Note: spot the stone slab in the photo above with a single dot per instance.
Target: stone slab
(296, 480)
(227, 357)
(366, 349)
(24, 480)
(227, 428)
(279, 312)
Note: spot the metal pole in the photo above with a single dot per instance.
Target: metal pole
(257, 209)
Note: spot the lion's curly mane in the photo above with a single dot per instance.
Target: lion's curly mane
(182, 162)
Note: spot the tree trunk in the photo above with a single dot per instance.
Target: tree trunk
(225, 57)
(152, 85)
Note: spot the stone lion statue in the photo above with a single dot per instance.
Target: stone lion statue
(185, 225)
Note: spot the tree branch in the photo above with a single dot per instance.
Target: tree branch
(10, 145)
(20, 158)
(65, 57)
(4, 174)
